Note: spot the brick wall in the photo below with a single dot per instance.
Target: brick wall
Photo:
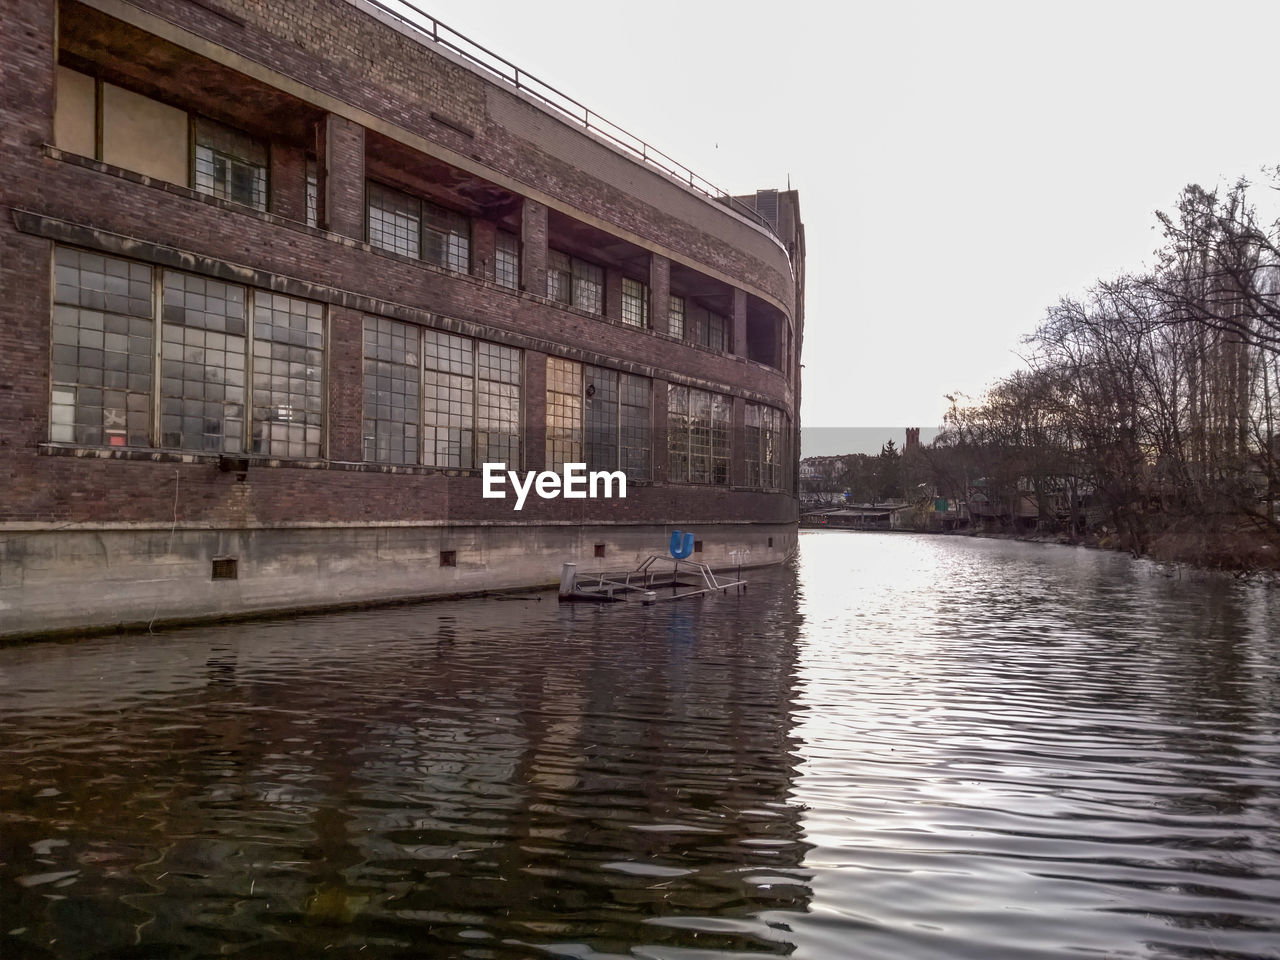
(339, 51)
(344, 178)
(126, 215)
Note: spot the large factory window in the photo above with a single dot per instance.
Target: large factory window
(105, 356)
(103, 351)
(599, 417)
(698, 428)
(438, 399)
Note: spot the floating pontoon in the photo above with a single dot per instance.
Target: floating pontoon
(651, 582)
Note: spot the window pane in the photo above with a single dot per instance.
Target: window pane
(634, 426)
(559, 276)
(600, 418)
(564, 413)
(766, 448)
(698, 429)
(717, 333)
(448, 398)
(506, 260)
(635, 302)
(202, 362)
(288, 376)
(391, 375)
(446, 237)
(102, 360)
(675, 317)
(497, 404)
(588, 286)
(721, 426)
(699, 436)
(677, 433)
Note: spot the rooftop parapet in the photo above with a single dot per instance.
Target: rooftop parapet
(567, 108)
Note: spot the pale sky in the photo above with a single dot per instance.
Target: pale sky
(961, 166)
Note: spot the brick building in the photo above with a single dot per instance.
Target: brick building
(277, 278)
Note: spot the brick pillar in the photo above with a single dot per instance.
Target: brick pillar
(659, 470)
(659, 293)
(533, 248)
(738, 450)
(612, 294)
(26, 122)
(535, 410)
(24, 365)
(738, 346)
(346, 384)
(288, 190)
(484, 241)
(344, 177)
(26, 113)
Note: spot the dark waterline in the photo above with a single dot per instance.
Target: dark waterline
(898, 747)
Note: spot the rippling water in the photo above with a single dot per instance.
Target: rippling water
(899, 747)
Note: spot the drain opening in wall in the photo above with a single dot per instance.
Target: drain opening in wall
(225, 568)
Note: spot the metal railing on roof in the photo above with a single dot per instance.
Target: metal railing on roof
(563, 104)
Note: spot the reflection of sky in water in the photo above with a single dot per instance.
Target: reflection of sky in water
(900, 747)
(1010, 749)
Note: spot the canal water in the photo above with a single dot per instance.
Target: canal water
(896, 747)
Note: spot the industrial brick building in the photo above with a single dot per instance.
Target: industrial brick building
(276, 279)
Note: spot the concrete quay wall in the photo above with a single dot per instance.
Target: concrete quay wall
(93, 579)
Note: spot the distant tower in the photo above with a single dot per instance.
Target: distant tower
(913, 439)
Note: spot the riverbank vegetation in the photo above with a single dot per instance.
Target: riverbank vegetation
(1146, 415)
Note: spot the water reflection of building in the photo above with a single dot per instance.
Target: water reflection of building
(310, 271)
(438, 776)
